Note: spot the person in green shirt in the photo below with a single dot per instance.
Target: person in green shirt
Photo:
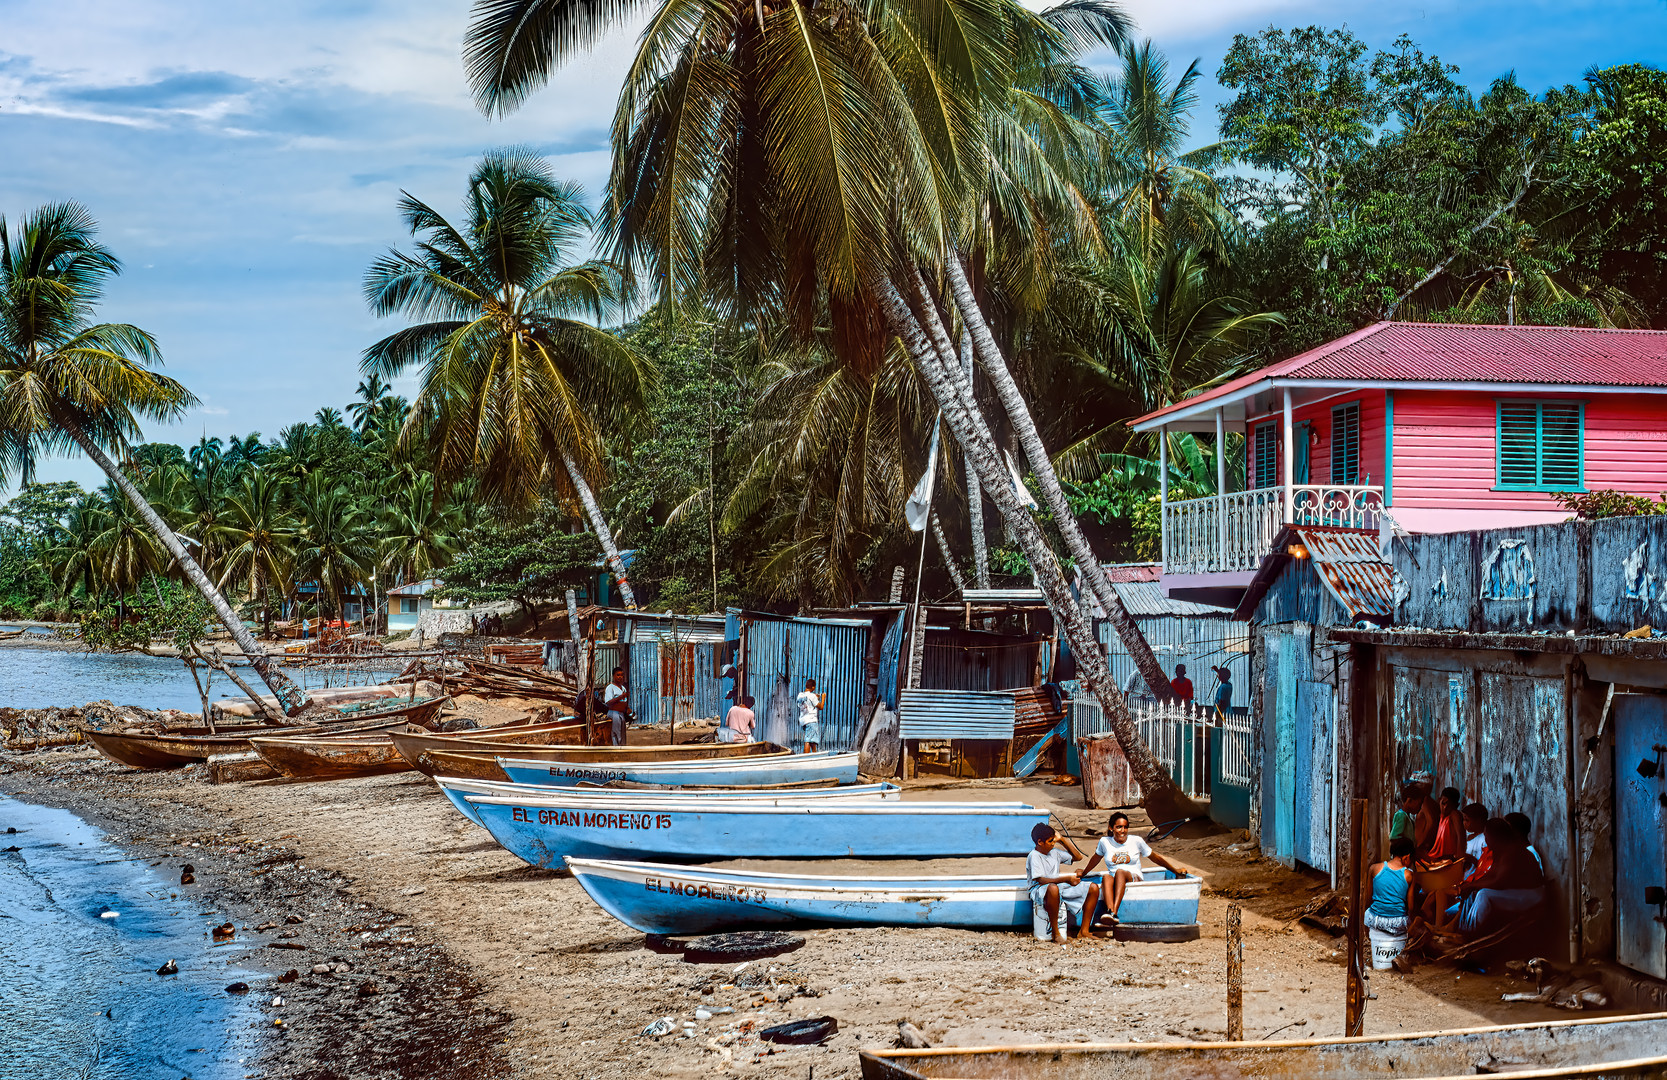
(1404, 825)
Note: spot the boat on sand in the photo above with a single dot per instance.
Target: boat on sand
(714, 772)
(1607, 1047)
(458, 790)
(325, 757)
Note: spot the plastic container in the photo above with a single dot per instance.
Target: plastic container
(1385, 947)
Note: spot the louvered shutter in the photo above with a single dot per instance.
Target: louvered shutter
(1540, 445)
(1345, 444)
(1560, 446)
(1267, 458)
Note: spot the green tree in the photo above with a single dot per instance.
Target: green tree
(68, 381)
(522, 391)
(527, 560)
(333, 547)
(259, 539)
(420, 531)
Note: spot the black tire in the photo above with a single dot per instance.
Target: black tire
(734, 948)
(812, 1032)
(1156, 932)
(660, 943)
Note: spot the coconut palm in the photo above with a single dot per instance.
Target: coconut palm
(371, 391)
(420, 530)
(67, 381)
(787, 160)
(518, 390)
(334, 547)
(258, 538)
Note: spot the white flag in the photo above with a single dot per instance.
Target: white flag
(918, 510)
(1019, 489)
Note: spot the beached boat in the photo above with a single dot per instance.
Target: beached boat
(171, 750)
(542, 830)
(413, 748)
(326, 757)
(1604, 1048)
(716, 772)
(458, 789)
(660, 899)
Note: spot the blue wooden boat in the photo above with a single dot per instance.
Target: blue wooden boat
(541, 830)
(661, 899)
(458, 788)
(716, 772)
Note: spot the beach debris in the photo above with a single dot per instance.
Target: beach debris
(663, 1026)
(224, 932)
(187, 874)
(746, 945)
(265, 926)
(14, 847)
(702, 1014)
(170, 968)
(323, 969)
(910, 1037)
(285, 945)
(11, 828)
(238, 988)
(292, 919)
(108, 914)
(415, 890)
(369, 989)
(812, 1032)
(277, 1002)
(289, 976)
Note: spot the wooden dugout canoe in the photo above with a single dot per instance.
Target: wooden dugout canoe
(172, 750)
(1607, 1048)
(326, 757)
(419, 750)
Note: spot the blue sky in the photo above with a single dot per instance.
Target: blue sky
(244, 158)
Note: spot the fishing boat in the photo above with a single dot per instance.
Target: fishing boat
(457, 789)
(717, 772)
(326, 757)
(542, 830)
(170, 750)
(414, 746)
(1603, 1048)
(661, 899)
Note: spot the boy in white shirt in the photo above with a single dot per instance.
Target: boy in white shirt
(1058, 892)
(809, 719)
(1122, 854)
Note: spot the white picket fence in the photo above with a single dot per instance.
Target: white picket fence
(1180, 736)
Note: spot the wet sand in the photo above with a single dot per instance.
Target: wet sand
(482, 966)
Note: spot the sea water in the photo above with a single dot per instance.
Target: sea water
(83, 928)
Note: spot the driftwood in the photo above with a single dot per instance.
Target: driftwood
(483, 679)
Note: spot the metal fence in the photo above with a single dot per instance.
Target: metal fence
(1207, 755)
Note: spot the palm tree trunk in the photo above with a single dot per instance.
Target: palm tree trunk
(291, 697)
(975, 493)
(599, 525)
(939, 370)
(995, 368)
(948, 556)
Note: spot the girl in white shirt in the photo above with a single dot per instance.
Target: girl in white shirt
(1122, 854)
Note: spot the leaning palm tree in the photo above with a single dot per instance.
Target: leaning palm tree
(518, 390)
(66, 381)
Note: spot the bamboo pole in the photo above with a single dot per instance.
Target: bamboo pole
(1235, 976)
(1354, 1006)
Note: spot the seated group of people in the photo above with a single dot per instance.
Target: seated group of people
(1503, 876)
(1061, 893)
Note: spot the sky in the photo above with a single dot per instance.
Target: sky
(245, 158)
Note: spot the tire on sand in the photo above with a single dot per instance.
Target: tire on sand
(811, 1032)
(1158, 932)
(734, 948)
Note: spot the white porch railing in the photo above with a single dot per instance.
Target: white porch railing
(1221, 533)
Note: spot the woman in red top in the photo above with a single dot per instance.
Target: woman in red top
(1449, 830)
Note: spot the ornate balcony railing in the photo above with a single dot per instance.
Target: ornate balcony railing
(1235, 531)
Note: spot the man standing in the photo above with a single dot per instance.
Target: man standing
(1224, 691)
(1180, 687)
(810, 704)
(617, 699)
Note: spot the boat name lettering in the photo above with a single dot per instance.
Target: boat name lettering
(735, 894)
(580, 773)
(589, 819)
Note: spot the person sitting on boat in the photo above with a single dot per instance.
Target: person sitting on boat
(1511, 885)
(738, 723)
(1057, 892)
(810, 702)
(618, 700)
(1390, 911)
(1122, 853)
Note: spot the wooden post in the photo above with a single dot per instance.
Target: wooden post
(589, 684)
(1235, 976)
(1354, 1015)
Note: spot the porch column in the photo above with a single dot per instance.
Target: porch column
(1290, 461)
(1163, 497)
(1221, 495)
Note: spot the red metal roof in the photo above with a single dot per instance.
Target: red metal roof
(1447, 352)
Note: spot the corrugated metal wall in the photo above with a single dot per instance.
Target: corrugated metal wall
(1198, 641)
(783, 653)
(976, 660)
(954, 714)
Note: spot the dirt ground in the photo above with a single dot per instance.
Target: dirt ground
(483, 966)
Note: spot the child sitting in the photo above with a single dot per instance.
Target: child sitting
(1122, 854)
(1057, 893)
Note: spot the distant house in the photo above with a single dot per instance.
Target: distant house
(1445, 427)
(407, 602)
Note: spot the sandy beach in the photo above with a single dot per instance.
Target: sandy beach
(464, 962)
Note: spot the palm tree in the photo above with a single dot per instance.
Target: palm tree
(334, 547)
(791, 160)
(67, 381)
(259, 538)
(72, 558)
(371, 391)
(521, 390)
(420, 531)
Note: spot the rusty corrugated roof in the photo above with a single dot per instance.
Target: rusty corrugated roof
(1352, 569)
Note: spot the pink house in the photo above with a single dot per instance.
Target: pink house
(1443, 427)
